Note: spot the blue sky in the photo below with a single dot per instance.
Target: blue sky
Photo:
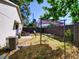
(37, 10)
(67, 18)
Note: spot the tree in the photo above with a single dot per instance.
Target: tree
(45, 16)
(32, 24)
(20, 2)
(61, 8)
(24, 8)
(57, 9)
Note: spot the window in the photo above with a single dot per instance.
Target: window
(16, 25)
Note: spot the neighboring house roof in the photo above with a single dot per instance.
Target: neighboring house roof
(56, 23)
(46, 22)
(7, 2)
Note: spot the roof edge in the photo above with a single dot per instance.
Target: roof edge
(9, 3)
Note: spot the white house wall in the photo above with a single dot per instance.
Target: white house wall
(10, 11)
(7, 16)
(5, 29)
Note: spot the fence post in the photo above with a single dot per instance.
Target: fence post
(76, 33)
(41, 31)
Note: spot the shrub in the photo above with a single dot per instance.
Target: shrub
(69, 35)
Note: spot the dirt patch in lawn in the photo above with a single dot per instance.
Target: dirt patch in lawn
(43, 51)
(36, 52)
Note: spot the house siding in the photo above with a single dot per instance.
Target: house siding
(8, 14)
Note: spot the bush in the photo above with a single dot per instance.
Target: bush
(69, 35)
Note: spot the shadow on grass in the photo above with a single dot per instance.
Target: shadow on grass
(43, 51)
(54, 37)
(59, 38)
(4, 50)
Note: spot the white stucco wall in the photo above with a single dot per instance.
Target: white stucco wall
(7, 16)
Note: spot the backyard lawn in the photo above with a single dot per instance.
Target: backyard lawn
(49, 49)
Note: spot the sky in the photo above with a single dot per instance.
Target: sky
(37, 11)
(67, 18)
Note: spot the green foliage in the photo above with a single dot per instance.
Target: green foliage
(20, 2)
(17, 2)
(61, 8)
(51, 26)
(45, 16)
(28, 1)
(30, 25)
(69, 35)
(40, 1)
(57, 9)
(25, 7)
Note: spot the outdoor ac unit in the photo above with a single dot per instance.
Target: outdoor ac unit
(11, 43)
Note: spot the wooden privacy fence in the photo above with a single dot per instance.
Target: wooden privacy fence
(58, 31)
(76, 34)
